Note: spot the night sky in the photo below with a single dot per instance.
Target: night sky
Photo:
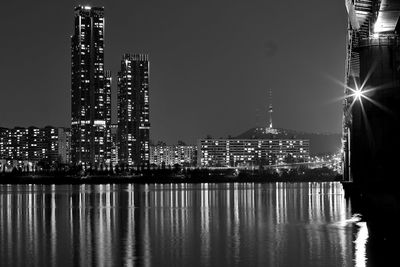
(211, 62)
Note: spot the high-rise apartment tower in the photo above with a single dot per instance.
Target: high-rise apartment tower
(90, 91)
(133, 111)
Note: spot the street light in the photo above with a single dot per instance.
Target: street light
(358, 93)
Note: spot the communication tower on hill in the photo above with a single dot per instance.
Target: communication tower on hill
(270, 110)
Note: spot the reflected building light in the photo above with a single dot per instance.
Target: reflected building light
(131, 193)
(284, 208)
(113, 199)
(301, 204)
(80, 201)
(146, 237)
(9, 219)
(146, 192)
(183, 198)
(99, 232)
(170, 196)
(205, 229)
(176, 198)
(1, 216)
(53, 229)
(360, 245)
(19, 225)
(108, 200)
(30, 207)
(205, 195)
(310, 202)
(278, 202)
(129, 238)
(162, 198)
(155, 198)
(236, 205)
(228, 201)
(141, 233)
(71, 215)
(108, 232)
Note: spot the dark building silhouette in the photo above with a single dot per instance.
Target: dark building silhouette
(90, 91)
(133, 111)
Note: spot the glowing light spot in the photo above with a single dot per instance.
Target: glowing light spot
(375, 35)
(358, 94)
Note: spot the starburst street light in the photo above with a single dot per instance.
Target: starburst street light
(360, 92)
(357, 93)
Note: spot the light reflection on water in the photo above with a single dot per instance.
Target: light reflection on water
(280, 224)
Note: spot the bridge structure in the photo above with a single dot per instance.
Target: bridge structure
(371, 87)
(371, 116)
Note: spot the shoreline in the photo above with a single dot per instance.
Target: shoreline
(46, 180)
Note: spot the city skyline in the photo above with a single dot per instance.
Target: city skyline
(199, 133)
(188, 90)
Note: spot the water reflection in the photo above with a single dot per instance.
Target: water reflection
(284, 224)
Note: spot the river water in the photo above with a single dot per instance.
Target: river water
(238, 224)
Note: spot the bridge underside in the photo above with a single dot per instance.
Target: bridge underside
(388, 16)
(371, 122)
(372, 37)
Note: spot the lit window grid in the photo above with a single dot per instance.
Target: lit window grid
(228, 152)
(81, 126)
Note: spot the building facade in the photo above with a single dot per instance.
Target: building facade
(114, 145)
(251, 152)
(163, 155)
(3, 141)
(64, 145)
(35, 144)
(90, 91)
(108, 83)
(17, 145)
(133, 111)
